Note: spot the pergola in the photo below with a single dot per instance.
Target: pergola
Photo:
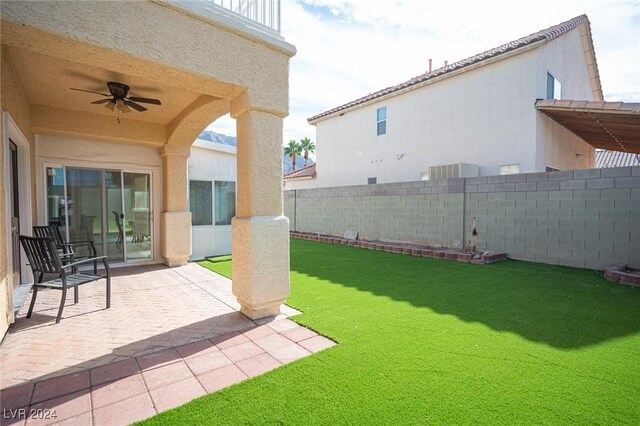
(613, 126)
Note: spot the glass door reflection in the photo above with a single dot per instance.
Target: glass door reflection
(137, 208)
(112, 208)
(80, 209)
(114, 215)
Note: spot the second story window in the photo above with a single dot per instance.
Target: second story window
(381, 116)
(554, 87)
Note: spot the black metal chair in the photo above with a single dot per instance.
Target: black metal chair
(43, 257)
(68, 251)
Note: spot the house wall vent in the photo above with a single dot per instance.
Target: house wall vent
(451, 171)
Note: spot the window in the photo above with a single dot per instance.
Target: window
(554, 87)
(381, 117)
(225, 202)
(510, 169)
(372, 181)
(200, 202)
(551, 169)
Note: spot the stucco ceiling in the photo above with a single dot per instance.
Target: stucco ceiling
(46, 81)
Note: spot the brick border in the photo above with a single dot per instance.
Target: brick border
(623, 275)
(585, 218)
(405, 248)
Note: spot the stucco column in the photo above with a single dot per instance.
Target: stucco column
(175, 219)
(260, 243)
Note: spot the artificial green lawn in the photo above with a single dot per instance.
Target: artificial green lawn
(435, 341)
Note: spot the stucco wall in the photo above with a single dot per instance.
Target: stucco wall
(211, 162)
(161, 38)
(300, 184)
(582, 218)
(483, 116)
(556, 146)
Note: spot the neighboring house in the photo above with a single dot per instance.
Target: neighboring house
(212, 194)
(119, 174)
(478, 116)
(300, 179)
(606, 159)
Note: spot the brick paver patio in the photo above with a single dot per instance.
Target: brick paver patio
(171, 335)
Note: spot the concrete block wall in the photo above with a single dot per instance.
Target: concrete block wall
(425, 212)
(582, 218)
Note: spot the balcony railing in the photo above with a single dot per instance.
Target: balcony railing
(264, 12)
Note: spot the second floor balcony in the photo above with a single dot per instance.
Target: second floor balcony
(264, 12)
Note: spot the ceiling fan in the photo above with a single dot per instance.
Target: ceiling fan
(119, 99)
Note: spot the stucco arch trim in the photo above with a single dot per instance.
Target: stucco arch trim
(185, 128)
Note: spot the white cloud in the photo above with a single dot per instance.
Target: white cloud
(349, 48)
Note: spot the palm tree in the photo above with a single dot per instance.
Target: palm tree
(292, 150)
(308, 147)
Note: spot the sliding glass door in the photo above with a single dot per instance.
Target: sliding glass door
(137, 210)
(113, 215)
(112, 208)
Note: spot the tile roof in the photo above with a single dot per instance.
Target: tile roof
(546, 34)
(308, 172)
(607, 159)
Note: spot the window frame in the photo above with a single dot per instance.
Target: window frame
(380, 121)
(553, 85)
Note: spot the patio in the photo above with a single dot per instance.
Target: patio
(171, 335)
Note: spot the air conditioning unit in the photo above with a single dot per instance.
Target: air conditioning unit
(450, 171)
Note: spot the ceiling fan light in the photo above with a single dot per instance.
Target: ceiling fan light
(120, 106)
(110, 106)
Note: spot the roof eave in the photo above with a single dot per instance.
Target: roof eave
(590, 59)
(523, 49)
(299, 178)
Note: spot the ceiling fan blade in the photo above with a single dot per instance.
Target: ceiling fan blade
(135, 106)
(101, 101)
(145, 100)
(90, 91)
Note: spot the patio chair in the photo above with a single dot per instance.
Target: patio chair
(65, 250)
(42, 254)
(68, 250)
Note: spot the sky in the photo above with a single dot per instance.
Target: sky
(347, 49)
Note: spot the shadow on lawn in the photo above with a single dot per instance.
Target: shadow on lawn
(562, 307)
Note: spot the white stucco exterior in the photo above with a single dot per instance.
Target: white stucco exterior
(210, 161)
(555, 145)
(482, 114)
(300, 183)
